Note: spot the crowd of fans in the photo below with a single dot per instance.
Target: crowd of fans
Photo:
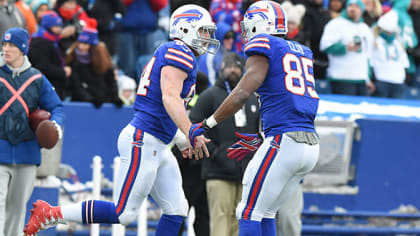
(355, 61)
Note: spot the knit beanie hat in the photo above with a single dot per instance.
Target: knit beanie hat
(89, 36)
(231, 59)
(50, 19)
(294, 12)
(35, 4)
(357, 2)
(389, 22)
(18, 37)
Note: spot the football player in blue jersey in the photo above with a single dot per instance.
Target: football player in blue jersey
(147, 164)
(281, 72)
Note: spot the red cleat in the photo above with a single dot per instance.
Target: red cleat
(43, 216)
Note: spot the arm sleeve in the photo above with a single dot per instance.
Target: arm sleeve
(50, 101)
(180, 58)
(259, 45)
(330, 36)
(336, 49)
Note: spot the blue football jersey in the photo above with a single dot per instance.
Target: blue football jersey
(150, 114)
(288, 98)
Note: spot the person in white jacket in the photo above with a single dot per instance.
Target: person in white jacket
(389, 59)
(348, 42)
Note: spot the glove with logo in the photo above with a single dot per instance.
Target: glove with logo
(247, 144)
(197, 130)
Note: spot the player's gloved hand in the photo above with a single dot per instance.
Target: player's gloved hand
(247, 144)
(197, 130)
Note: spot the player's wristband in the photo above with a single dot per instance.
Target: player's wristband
(211, 122)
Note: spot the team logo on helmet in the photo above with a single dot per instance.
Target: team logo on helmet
(256, 11)
(189, 16)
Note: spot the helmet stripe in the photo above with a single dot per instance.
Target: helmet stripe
(257, 10)
(280, 22)
(187, 15)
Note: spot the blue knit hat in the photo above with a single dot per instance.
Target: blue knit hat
(18, 37)
(89, 36)
(50, 19)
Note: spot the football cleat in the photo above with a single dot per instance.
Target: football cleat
(42, 217)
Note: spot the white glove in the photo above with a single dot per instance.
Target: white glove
(59, 130)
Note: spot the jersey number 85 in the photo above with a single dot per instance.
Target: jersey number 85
(301, 73)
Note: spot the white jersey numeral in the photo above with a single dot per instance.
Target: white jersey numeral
(301, 73)
(145, 77)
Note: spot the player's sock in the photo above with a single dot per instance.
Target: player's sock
(90, 212)
(268, 227)
(169, 225)
(249, 228)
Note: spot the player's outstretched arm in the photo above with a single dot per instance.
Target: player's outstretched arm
(256, 71)
(171, 83)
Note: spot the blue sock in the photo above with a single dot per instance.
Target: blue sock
(249, 228)
(169, 225)
(268, 227)
(103, 212)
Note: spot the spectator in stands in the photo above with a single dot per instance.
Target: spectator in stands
(39, 7)
(372, 12)
(348, 42)
(223, 176)
(28, 15)
(74, 19)
(294, 19)
(389, 59)
(108, 13)
(45, 54)
(10, 16)
(229, 11)
(335, 7)
(192, 183)
(210, 64)
(407, 33)
(19, 151)
(414, 12)
(137, 33)
(314, 21)
(92, 79)
(126, 89)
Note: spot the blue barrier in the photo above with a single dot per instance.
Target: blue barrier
(387, 164)
(88, 132)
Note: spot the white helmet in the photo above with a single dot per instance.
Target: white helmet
(264, 17)
(193, 25)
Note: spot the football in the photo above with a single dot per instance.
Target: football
(37, 116)
(46, 134)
